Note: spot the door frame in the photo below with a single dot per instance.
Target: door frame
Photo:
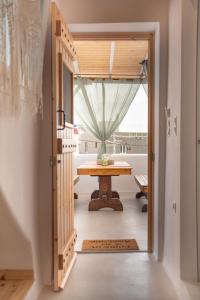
(150, 37)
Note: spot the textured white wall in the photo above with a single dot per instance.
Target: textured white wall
(180, 248)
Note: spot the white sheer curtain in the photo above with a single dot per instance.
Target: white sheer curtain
(145, 85)
(101, 105)
(21, 55)
(144, 64)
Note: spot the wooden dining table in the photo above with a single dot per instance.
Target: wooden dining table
(104, 196)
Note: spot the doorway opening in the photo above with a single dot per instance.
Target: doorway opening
(65, 76)
(106, 59)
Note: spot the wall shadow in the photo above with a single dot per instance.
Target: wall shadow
(15, 250)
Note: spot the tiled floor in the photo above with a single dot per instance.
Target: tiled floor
(113, 276)
(116, 276)
(109, 224)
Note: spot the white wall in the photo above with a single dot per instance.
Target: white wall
(19, 195)
(188, 141)
(198, 136)
(180, 248)
(45, 170)
(172, 179)
(125, 185)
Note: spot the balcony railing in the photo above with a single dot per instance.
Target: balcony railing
(119, 143)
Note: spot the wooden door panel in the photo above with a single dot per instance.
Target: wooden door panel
(63, 146)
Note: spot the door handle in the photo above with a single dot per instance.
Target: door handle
(64, 119)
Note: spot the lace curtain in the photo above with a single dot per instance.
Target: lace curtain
(21, 56)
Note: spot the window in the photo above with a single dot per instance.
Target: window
(130, 137)
(136, 119)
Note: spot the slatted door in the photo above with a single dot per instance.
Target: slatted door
(64, 233)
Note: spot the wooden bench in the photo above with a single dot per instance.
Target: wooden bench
(142, 182)
(75, 180)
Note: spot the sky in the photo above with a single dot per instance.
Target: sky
(136, 119)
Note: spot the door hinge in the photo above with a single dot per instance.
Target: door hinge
(61, 262)
(52, 161)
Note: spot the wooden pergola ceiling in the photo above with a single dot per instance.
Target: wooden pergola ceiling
(119, 59)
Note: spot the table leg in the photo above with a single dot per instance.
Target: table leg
(140, 194)
(96, 194)
(104, 197)
(115, 194)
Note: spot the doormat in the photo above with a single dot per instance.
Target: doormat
(109, 245)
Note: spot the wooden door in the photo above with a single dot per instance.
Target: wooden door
(64, 234)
